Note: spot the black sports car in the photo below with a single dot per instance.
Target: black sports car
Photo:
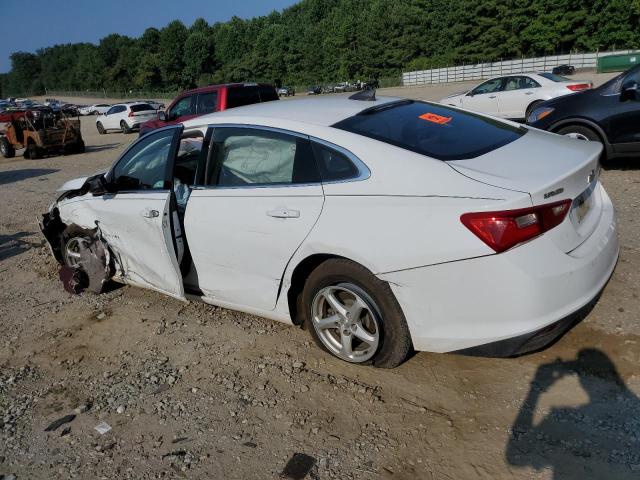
(564, 70)
(609, 114)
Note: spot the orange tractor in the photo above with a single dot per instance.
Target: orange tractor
(40, 131)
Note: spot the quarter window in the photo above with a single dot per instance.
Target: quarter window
(333, 165)
(240, 96)
(144, 166)
(254, 157)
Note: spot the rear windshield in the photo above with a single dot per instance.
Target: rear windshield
(554, 78)
(141, 107)
(434, 130)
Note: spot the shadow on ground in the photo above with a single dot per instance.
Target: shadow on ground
(599, 439)
(15, 244)
(100, 148)
(12, 176)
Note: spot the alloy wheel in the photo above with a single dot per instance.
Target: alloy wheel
(346, 322)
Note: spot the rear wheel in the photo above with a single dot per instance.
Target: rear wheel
(125, 128)
(580, 132)
(32, 152)
(354, 315)
(100, 128)
(6, 148)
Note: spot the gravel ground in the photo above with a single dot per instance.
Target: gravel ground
(193, 391)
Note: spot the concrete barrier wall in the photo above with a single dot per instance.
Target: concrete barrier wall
(486, 70)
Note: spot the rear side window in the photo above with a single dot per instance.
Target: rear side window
(141, 107)
(268, 93)
(240, 96)
(255, 157)
(207, 102)
(333, 165)
(434, 130)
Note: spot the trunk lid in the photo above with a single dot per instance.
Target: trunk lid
(549, 168)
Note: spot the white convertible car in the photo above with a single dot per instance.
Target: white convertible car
(380, 225)
(515, 96)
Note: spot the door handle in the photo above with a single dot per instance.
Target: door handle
(150, 214)
(492, 96)
(284, 213)
(528, 93)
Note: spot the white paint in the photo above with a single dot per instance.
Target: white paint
(402, 223)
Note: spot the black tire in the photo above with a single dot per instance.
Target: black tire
(395, 340)
(72, 233)
(531, 108)
(125, 128)
(6, 148)
(100, 128)
(580, 132)
(32, 152)
(80, 147)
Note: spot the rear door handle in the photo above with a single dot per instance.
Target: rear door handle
(284, 213)
(150, 213)
(492, 96)
(528, 93)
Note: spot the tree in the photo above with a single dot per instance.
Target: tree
(171, 54)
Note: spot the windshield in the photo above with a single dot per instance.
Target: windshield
(555, 78)
(434, 130)
(613, 86)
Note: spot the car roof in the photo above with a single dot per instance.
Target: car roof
(324, 111)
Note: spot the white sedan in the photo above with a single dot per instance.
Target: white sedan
(515, 96)
(381, 226)
(125, 117)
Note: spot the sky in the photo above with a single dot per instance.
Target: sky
(28, 25)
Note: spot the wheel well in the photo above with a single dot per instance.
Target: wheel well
(578, 123)
(298, 279)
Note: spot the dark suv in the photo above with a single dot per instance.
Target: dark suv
(609, 114)
(214, 98)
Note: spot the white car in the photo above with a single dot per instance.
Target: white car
(96, 109)
(515, 96)
(381, 225)
(125, 117)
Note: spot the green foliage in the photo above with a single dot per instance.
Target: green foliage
(318, 41)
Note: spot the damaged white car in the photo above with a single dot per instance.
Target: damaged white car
(380, 225)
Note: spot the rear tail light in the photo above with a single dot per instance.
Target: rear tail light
(503, 230)
(579, 86)
(131, 113)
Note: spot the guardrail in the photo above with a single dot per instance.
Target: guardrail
(479, 71)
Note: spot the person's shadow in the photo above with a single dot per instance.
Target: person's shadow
(600, 439)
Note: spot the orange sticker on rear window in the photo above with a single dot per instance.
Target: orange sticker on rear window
(432, 117)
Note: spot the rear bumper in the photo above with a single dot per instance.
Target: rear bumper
(509, 303)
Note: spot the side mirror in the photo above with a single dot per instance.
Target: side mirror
(470, 94)
(97, 185)
(162, 116)
(630, 91)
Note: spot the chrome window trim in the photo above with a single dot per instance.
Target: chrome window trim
(363, 171)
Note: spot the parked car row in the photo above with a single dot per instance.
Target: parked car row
(342, 87)
(609, 114)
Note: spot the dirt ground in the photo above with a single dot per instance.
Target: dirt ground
(193, 391)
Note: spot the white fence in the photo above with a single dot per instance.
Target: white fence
(485, 70)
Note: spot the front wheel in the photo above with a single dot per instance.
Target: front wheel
(354, 315)
(100, 128)
(579, 133)
(6, 148)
